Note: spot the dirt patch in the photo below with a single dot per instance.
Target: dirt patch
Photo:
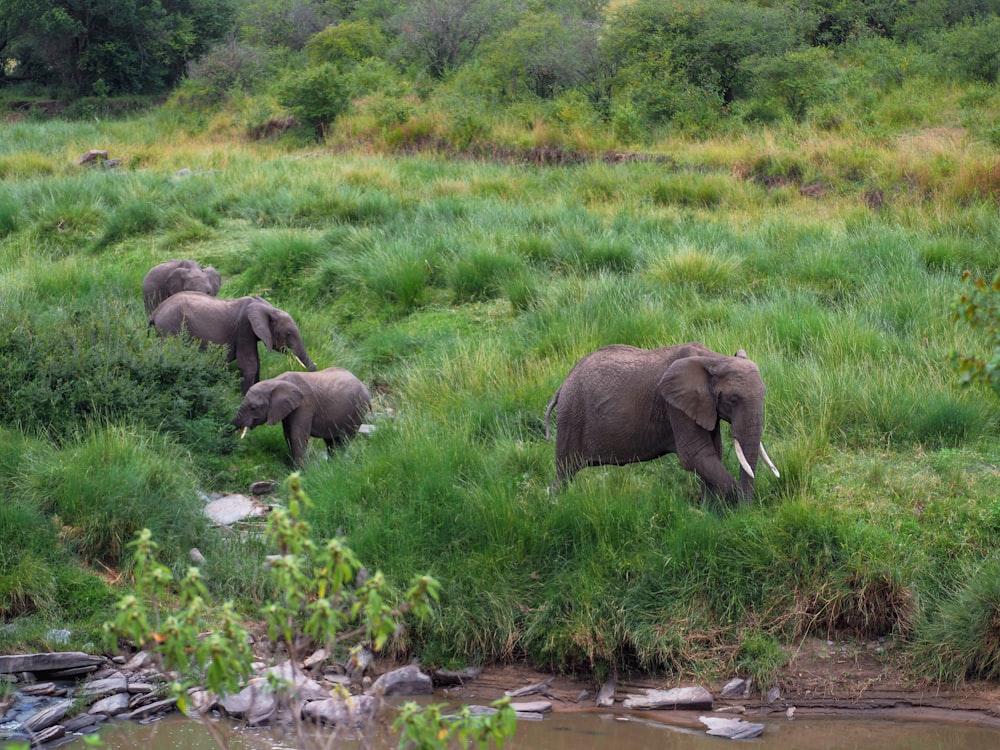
(822, 678)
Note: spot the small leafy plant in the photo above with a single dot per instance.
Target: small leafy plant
(980, 308)
(319, 592)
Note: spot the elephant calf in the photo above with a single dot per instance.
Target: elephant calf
(329, 404)
(620, 405)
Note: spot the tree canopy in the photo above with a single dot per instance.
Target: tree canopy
(108, 46)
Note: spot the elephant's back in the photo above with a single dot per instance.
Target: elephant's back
(334, 384)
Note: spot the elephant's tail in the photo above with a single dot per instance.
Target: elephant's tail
(548, 411)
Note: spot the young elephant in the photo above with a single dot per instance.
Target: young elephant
(329, 404)
(620, 405)
(173, 276)
(237, 323)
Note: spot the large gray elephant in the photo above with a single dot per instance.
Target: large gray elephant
(620, 405)
(237, 323)
(329, 404)
(173, 276)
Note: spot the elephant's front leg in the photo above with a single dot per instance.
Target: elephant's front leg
(297, 440)
(700, 451)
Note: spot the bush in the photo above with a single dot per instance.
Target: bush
(316, 97)
(346, 43)
(62, 370)
(109, 483)
(972, 50)
(800, 79)
(227, 68)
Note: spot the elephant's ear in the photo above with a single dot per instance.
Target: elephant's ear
(175, 282)
(260, 320)
(214, 279)
(285, 398)
(685, 386)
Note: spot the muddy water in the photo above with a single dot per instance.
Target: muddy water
(594, 731)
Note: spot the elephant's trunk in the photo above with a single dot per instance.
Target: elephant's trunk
(746, 443)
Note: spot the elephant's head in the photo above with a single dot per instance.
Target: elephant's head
(267, 402)
(278, 331)
(712, 388)
(188, 276)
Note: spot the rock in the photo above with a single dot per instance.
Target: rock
(790, 712)
(263, 487)
(356, 710)
(80, 722)
(736, 688)
(48, 734)
(302, 687)
(774, 694)
(55, 662)
(606, 695)
(201, 701)
(256, 699)
(50, 715)
(532, 707)
(541, 688)
(317, 657)
(229, 509)
(39, 688)
(94, 156)
(149, 710)
(408, 680)
(196, 557)
(140, 660)
(112, 705)
(688, 697)
(730, 710)
(361, 658)
(366, 430)
(99, 688)
(449, 677)
(733, 729)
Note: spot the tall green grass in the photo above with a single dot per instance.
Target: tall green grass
(463, 292)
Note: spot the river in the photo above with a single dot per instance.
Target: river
(606, 731)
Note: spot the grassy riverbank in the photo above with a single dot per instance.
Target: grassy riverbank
(462, 291)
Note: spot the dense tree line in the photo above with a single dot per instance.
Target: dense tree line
(644, 61)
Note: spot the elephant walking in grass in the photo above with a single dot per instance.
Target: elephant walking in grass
(173, 276)
(237, 323)
(330, 404)
(620, 405)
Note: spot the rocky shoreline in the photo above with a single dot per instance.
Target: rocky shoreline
(54, 698)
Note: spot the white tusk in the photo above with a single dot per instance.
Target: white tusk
(768, 461)
(743, 459)
(244, 433)
(301, 363)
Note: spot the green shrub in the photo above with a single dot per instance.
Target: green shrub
(109, 482)
(316, 96)
(61, 370)
(28, 545)
(957, 637)
(760, 658)
(226, 69)
(972, 49)
(800, 79)
(347, 42)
